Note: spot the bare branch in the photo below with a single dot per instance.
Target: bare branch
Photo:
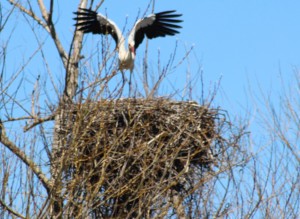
(5, 207)
(43, 10)
(99, 5)
(51, 10)
(38, 121)
(3, 21)
(71, 81)
(31, 14)
(13, 148)
(48, 26)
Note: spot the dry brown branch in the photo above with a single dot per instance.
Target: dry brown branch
(37, 121)
(7, 208)
(29, 162)
(43, 11)
(71, 79)
(52, 31)
(70, 63)
(31, 14)
(47, 25)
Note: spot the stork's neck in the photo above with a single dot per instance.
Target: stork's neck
(124, 53)
(121, 46)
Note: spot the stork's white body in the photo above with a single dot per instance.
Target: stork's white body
(126, 57)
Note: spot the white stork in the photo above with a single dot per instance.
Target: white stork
(155, 25)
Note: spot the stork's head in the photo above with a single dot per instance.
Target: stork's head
(132, 50)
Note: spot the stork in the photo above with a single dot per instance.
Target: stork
(154, 25)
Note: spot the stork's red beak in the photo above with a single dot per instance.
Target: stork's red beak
(132, 50)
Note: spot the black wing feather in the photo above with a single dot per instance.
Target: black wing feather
(89, 21)
(163, 25)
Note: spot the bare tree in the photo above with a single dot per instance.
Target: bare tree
(278, 159)
(42, 16)
(84, 152)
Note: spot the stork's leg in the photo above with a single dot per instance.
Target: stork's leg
(123, 78)
(123, 81)
(129, 84)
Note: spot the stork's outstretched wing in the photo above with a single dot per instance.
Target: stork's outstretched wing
(89, 21)
(155, 25)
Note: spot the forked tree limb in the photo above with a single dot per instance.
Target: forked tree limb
(10, 210)
(26, 160)
(70, 61)
(48, 19)
(47, 24)
(30, 13)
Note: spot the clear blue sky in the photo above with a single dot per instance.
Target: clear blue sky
(244, 42)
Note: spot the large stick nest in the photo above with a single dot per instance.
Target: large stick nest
(128, 157)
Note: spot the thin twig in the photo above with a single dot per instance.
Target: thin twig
(99, 5)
